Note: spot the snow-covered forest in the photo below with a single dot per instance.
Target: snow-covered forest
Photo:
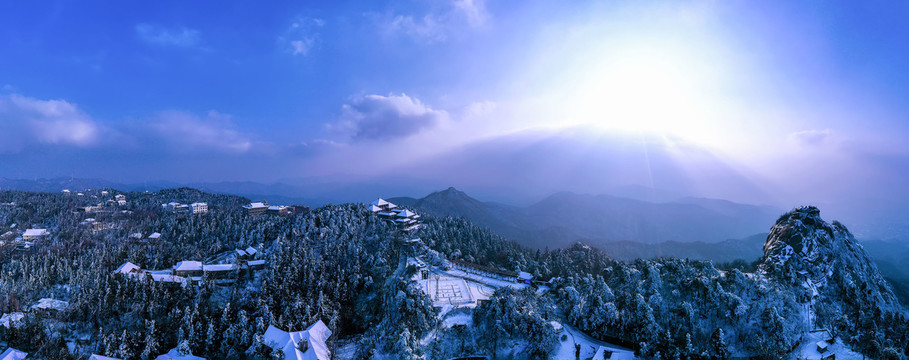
(345, 266)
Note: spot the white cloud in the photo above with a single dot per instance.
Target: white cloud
(428, 29)
(473, 10)
(26, 121)
(811, 137)
(301, 36)
(377, 117)
(302, 47)
(183, 131)
(438, 24)
(157, 35)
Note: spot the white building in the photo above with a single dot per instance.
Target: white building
(199, 207)
(188, 268)
(382, 208)
(121, 199)
(300, 345)
(34, 234)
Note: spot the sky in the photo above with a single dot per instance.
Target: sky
(770, 102)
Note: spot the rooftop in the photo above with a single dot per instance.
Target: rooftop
(188, 266)
(255, 205)
(127, 268)
(35, 232)
(315, 336)
(50, 304)
(13, 354)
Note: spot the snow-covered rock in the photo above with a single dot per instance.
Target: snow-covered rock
(824, 259)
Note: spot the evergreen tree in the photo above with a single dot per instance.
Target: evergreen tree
(718, 347)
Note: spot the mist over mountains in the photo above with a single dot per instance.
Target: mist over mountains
(564, 218)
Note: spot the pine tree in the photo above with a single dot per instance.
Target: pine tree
(210, 339)
(151, 342)
(689, 352)
(718, 347)
(125, 351)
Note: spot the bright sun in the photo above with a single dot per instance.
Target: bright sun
(640, 91)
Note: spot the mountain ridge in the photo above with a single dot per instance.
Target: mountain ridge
(564, 218)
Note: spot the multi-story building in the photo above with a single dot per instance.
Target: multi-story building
(199, 207)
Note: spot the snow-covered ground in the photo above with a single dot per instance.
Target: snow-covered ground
(808, 349)
(589, 346)
(446, 291)
(452, 289)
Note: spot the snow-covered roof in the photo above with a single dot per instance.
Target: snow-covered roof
(406, 213)
(154, 235)
(127, 268)
(822, 345)
(35, 232)
(188, 266)
(255, 205)
(219, 267)
(557, 326)
(524, 275)
(241, 252)
(173, 354)
(315, 336)
(13, 354)
(198, 204)
(50, 304)
(11, 319)
(374, 208)
(251, 250)
(99, 357)
(381, 202)
(256, 262)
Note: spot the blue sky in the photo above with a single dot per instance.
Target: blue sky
(752, 101)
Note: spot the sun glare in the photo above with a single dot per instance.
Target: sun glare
(653, 92)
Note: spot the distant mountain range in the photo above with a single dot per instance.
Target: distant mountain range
(628, 229)
(277, 193)
(564, 218)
